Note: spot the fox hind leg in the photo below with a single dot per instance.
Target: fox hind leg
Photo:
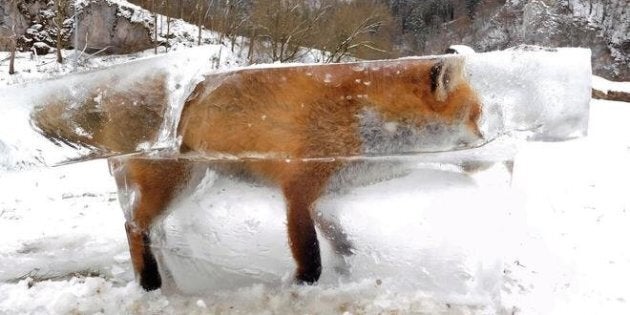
(335, 234)
(338, 239)
(301, 192)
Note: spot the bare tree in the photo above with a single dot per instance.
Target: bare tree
(155, 26)
(11, 41)
(359, 28)
(11, 38)
(59, 20)
(202, 9)
(231, 18)
(169, 12)
(285, 27)
(252, 43)
(13, 47)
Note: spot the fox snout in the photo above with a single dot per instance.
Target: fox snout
(474, 116)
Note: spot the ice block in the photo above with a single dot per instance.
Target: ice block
(137, 106)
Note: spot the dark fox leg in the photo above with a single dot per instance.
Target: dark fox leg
(301, 192)
(337, 237)
(156, 183)
(144, 263)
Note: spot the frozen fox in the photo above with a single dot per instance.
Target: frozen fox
(304, 121)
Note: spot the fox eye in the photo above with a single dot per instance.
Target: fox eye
(446, 79)
(436, 70)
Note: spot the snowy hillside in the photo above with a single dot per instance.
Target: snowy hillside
(30, 67)
(181, 35)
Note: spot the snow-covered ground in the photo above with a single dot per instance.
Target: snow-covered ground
(605, 86)
(576, 204)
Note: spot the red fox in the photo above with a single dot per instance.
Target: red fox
(302, 121)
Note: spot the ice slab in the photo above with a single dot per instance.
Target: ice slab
(406, 106)
(545, 92)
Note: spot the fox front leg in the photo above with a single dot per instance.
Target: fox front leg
(144, 264)
(156, 183)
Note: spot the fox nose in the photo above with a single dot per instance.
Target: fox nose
(472, 114)
(471, 138)
(477, 132)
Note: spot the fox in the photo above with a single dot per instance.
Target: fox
(295, 128)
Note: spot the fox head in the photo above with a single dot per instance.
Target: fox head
(453, 97)
(429, 107)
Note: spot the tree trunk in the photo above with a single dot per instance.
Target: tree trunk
(161, 23)
(59, 56)
(168, 27)
(168, 23)
(155, 28)
(168, 31)
(199, 36)
(200, 21)
(250, 49)
(59, 21)
(12, 58)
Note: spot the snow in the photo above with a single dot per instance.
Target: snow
(461, 49)
(606, 86)
(577, 209)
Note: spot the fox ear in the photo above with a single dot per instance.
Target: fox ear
(446, 74)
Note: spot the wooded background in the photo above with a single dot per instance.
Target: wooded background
(367, 29)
